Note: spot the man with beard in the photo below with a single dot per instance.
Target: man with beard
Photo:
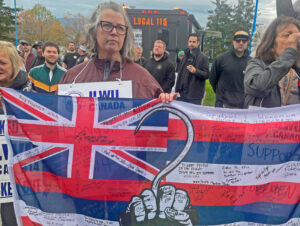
(39, 59)
(71, 57)
(46, 77)
(160, 66)
(193, 70)
(227, 73)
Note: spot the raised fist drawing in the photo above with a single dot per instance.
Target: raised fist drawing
(170, 207)
(163, 205)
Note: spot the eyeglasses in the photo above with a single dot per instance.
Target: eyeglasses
(241, 40)
(108, 27)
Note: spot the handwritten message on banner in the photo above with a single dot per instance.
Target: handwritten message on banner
(77, 161)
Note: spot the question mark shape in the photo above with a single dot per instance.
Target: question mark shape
(179, 158)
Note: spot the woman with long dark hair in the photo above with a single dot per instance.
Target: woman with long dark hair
(277, 55)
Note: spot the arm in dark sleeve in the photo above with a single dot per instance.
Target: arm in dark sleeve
(203, 70)
(170, 79)
(214, 75)
(65, 59)
(32, 64)
(259, 78)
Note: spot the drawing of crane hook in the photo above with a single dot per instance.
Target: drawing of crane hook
(189, 141)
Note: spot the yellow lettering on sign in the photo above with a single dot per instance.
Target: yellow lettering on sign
(150, 21)
(165, 22)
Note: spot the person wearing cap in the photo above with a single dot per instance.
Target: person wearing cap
(83, 56)
(27, 55)
(20, 46)
(227, 73)
(39, 59)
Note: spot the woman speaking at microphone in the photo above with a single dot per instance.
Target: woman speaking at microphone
(110, 37)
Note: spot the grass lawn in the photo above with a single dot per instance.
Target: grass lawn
(210, 96)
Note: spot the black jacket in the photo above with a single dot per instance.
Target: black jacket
(194, 91)
(227, 77)
(37, 61)
(163, 71)
(70, 59)
(22, 82)
(141, 61)
(81, 58)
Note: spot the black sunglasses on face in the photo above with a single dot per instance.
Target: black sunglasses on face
(241, 40)
(108, 27)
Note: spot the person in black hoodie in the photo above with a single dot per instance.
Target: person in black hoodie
(160, 67)
(193, 70)
(227, 73)
(12, 77)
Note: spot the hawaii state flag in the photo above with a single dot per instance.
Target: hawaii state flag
(90, 161)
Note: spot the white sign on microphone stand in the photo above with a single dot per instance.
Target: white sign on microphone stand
(107, 89)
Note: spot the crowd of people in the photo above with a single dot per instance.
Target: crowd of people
(270, 79)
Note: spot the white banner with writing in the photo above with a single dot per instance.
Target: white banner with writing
(115, 89)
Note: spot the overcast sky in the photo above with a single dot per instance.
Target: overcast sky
(197, 7)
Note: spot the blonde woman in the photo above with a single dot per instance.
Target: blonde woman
(11, 74)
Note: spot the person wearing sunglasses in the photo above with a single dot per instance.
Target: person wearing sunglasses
(110, 38)
(227, 73)
(277, 59)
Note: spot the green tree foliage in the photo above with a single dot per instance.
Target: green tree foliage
(228, 18)
(7, 22)
(38, 23)
(74, 27)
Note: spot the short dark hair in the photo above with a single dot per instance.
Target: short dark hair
(194, 35)
(71, 42)
(265, 50)
(52, 44)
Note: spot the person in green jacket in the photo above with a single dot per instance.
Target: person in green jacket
(45, 78)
